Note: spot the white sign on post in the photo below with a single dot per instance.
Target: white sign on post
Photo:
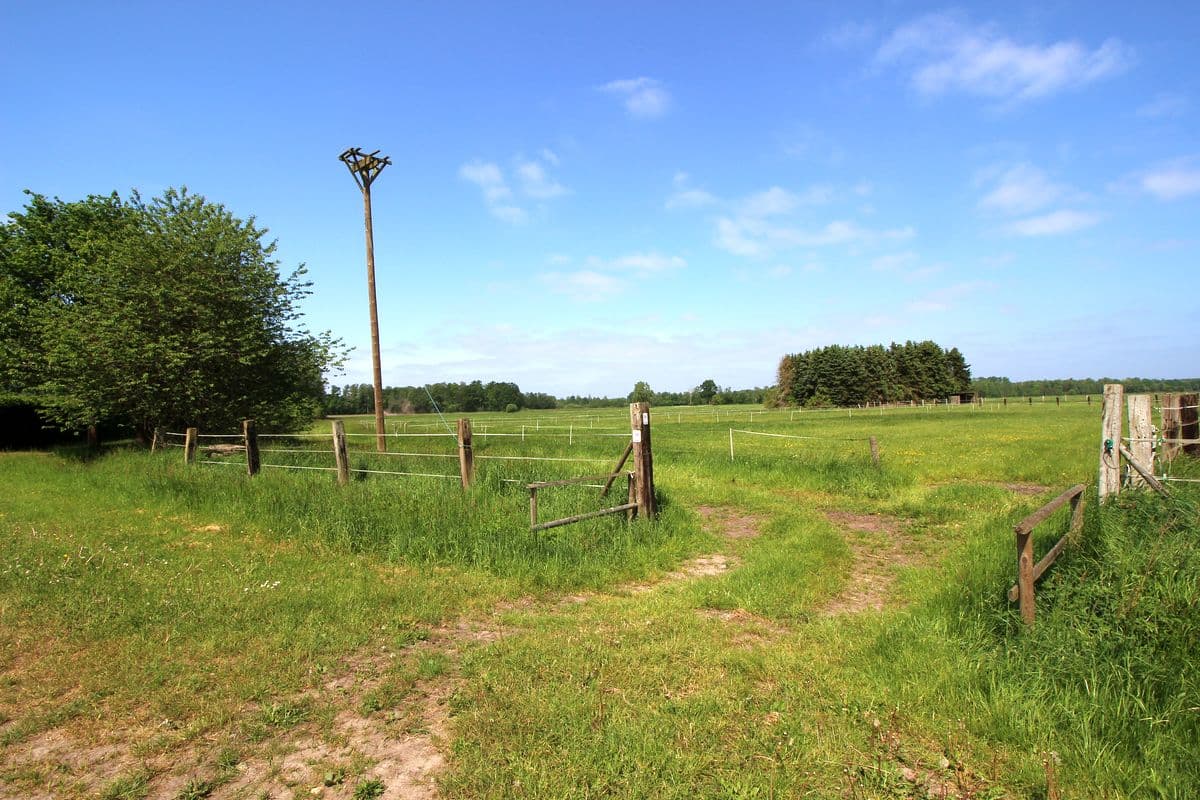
(637, 437)
(645, 417)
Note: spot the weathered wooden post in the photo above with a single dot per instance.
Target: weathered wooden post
(156, 441)
(631, 496)
(1189, 422)
(1172, 426)
(250, 434)
(1025, 574)
(1110, 441)
(93, 439)
(466, 458)
(189, 445)
(1141, 433)
(340, 456)
(643, 458)
(874, 451)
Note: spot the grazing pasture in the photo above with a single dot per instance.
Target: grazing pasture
(798, 621)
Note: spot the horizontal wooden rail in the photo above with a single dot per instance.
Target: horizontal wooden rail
(1027, 572)
(578, 517)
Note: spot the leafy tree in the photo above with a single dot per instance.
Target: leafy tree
(167, 312)
(707, 390)
(642, 393)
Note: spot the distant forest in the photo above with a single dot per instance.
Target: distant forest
(1003, 387)
(359, 398)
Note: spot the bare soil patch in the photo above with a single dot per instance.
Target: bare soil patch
(730, 523)
(880, 545)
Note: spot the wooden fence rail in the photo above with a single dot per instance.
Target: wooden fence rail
(1027, 572)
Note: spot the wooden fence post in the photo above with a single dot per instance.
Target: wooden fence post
(250, 434)
(1189, 422)
(643, 458)
(156, 441)
(631, 496)
(874, 451)
(1141, 434)
(1025, 575)
(466, 458)
(189, 445)
(1171, 424)
(1110, 441)
(93, 438)
(340, 456)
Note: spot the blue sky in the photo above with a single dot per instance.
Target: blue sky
(584, 195)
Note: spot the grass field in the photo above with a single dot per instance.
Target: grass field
(799, 622)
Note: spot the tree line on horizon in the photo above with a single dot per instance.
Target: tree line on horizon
(1003, 387)
(468, 397)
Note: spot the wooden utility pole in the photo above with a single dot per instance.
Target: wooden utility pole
(365, 168)
(1110, 441)
(643, 459)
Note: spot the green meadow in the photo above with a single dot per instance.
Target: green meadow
(798, 621)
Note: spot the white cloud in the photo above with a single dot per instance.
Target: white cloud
(1022, 189)
(1054, 223)
(1171, 181)
(488, 177)
(685, 196)
(946, 54)
(749, 236)
(583, 285)
(639, 263)
(643, 97)
(772, 202)
(549, 156)
(535, 183)
(601, 279)
(532, 179)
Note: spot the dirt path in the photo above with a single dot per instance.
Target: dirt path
(880, 545)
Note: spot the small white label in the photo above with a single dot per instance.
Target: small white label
(645, 417)
(637, 437)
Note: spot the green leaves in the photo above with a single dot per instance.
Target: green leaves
(167, 312)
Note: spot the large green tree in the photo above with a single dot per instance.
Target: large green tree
(167, 312)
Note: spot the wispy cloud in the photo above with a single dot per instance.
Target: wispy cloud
(750, 236)
(535, 183)
(1054, 223)
(1172, 180)
(532, 179)
(687, 196)
(1021, 189)
(946, 54)
(946, 298)
(584, 285)
(599, 279)
(642, 97)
